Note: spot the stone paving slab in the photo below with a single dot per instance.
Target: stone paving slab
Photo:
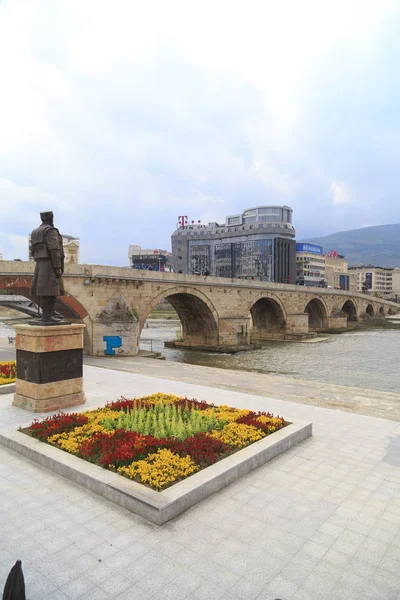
(320, 521)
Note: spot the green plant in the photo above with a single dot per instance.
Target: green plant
(165, 421)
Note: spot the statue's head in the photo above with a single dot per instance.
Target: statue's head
(47, 217)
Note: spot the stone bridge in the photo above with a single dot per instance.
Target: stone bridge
(115, 302)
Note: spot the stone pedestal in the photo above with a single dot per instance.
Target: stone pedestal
(49, 367)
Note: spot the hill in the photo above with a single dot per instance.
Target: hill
(379, 245)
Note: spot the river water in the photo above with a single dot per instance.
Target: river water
(364, 359)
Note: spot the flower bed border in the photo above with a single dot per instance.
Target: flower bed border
(7, 388)
(157, 507)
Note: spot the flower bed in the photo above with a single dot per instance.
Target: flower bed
(8, 372)
(156, 440)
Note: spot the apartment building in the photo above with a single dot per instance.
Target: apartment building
(373, 280)
(337, 272)
(310, 265)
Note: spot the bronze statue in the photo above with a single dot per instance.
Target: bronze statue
(47, 282)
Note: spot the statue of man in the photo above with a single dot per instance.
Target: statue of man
(48, 252)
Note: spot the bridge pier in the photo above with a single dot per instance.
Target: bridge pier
(296, 324)
(337, 322)
(115, 330)
(114, 339)
(234, 331)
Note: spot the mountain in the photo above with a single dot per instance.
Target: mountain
(378, 246)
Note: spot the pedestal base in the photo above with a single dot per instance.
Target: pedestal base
(49, 367)
(48, 404)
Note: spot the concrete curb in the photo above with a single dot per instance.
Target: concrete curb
(8, 388)
(157, 507)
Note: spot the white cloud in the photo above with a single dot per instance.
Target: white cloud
(14, 246)
(17, 199)
(135, 108)
(340, 193)
(271, 177)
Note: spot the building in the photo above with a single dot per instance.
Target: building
(373, 280)
(396, 285)
(257, 244)
(337, 272)
(149, 259)
(310, 265)
(71, 249)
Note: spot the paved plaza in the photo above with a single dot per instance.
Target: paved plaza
(320, 522)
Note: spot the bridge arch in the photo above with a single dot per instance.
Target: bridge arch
(198, 316)
(381, 310)
(370, 310)
(67, 305)
(350, 308)
(25, 306)
(317, 314)
(268, 314)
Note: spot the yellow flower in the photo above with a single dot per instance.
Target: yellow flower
(161, 398)
(71, 440)
(238, 434)
(273, 421)
(5, 380)
(226, 413)
(160, 469)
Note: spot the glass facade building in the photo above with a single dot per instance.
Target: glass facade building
(257, 244)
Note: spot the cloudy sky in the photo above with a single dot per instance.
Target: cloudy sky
(122, 115)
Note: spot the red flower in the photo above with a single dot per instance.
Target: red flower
(251, 419)
(193, 404)
(203, 449)
(8, 370)
(120, 448)
(56, 424)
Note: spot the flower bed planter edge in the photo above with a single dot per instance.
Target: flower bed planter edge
(7, 388)
(157, 507)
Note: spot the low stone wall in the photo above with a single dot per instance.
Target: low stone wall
(8, 388)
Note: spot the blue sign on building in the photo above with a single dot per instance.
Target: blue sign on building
(309, 248)
(344, 282)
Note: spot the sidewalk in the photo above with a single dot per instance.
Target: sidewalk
(319, 522)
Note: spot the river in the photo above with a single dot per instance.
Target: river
(365, 359)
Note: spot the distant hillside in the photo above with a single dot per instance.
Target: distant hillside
(378, 245)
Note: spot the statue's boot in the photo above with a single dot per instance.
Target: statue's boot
(48, 306)
(53, 312)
